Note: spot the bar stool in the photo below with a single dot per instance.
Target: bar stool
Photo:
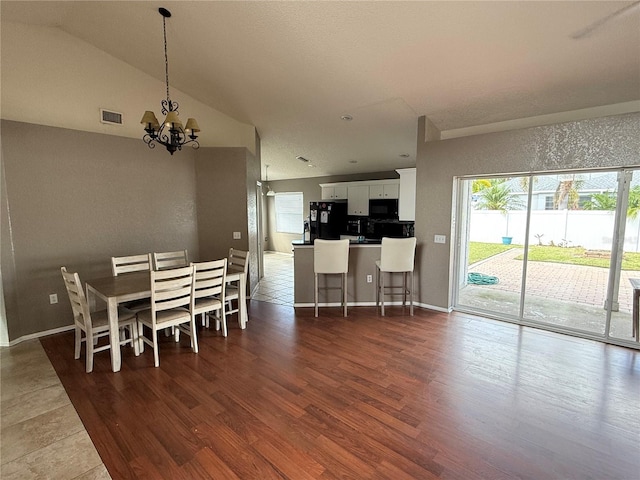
(331, 257)
(396, 256)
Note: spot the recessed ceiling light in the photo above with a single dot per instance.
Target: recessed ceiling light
(346, 118)
(310, 165)
(353, 161)
(404, 155)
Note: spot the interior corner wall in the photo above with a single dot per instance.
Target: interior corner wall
(223, 208)
(595, 143)
(252, 178)
(75, 199)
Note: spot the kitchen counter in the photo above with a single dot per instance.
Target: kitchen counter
(362, 267)
(301, 243)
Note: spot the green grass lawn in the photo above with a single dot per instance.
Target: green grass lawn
(572, 255)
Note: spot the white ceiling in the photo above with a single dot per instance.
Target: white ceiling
(293, 68)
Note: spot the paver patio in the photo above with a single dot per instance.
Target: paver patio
(564, 294)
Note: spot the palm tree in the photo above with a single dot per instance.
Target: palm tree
(567, 193)
(498, 197)
(602, 201)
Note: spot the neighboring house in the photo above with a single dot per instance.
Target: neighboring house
(546, 187)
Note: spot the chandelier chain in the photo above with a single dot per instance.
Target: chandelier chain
(166, 59)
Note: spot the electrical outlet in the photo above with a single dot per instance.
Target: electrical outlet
(369, 278)
(236, 236)
(53, 298)
(439, 239)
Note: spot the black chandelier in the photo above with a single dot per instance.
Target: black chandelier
(171, 133)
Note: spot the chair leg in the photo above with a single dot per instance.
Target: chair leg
(89, 352)
(141, 337)
(315, 298)
(135, 342)
(382, 293)
(377, 287)
(194, 336)
(411, 295)
(344, 292)
(156, 359)
(223, 321)
(78, 342)
(404, 288)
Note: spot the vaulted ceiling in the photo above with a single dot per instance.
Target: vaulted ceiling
(293, 69)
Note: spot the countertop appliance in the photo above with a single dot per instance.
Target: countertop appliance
(383, 208)
(356, 225)
(327, 220)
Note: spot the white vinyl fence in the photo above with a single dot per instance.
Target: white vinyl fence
(590, 229)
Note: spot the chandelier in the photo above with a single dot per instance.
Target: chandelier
(171, 133)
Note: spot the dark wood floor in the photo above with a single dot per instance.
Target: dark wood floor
(430, 396)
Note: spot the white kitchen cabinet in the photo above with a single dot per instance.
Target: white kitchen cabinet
(407, 197)
(337, 192)
(384, 190)
(358, 200)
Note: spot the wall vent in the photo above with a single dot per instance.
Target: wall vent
(112, 118)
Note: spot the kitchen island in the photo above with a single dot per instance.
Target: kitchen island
(362, 266)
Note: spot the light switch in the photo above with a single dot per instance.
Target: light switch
(53, 298)
(440, 239)
(236, 236)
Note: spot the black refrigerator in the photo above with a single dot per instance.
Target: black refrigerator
(327, 220)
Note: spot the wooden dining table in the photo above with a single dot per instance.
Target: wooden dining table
(114, 290)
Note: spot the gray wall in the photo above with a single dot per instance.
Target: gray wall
(224, 207)
(75, 198)
(310, 188)
(604, 142)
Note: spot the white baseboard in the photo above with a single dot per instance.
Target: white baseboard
(373, 304)
(31, 336)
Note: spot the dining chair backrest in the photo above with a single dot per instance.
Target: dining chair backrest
(130, 264)
(331, 256)
(77, 297)
(397, 254)
(165, 260)
(171, 288)
(238, 261)
(209, 279)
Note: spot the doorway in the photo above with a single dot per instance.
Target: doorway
(551, 250)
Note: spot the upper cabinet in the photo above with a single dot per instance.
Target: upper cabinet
(384, 190)
(334, 192)
(358, 200)
(407, 198)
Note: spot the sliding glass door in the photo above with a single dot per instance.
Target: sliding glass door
(555, 250)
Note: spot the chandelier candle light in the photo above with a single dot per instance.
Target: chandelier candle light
(171, 133)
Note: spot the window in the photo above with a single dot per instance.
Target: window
(289, 212)
(548, 202)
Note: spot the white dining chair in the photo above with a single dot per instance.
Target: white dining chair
(208, 292)
(331, 257)
(131, 264)
(237, 262)
(171, 292)
(95, 325)
(397, 255)
(164, 260)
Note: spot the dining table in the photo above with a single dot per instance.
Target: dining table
(114, 290)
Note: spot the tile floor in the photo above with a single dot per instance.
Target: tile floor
(41, 435)
(277, 284)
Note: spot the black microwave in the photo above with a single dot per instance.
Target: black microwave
(383, 208)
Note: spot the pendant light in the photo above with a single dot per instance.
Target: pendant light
(270, 193)
(171, 133)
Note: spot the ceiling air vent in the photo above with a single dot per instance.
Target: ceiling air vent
(112, 118)
(302, 159)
